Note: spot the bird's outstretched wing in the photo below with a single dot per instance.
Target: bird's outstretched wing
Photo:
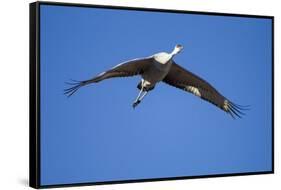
(125, 69)
(185, 80)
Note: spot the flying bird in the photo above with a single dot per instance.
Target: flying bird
(161, 67)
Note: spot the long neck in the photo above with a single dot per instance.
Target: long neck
(174, 52)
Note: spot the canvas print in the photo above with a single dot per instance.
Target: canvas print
(136, 95)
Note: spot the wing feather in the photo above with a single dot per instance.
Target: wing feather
(186, 80)
(125, 69)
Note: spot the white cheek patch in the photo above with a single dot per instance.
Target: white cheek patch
(194, 90)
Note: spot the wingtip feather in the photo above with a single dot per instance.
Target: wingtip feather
(235, 110)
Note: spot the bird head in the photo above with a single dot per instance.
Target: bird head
(178, 48)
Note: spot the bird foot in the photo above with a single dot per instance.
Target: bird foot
(136, 103)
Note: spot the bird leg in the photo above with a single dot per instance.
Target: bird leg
(139, 95)
(137, 101)
(143, 95)
(139, 98)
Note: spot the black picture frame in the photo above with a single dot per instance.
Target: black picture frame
(34, 93)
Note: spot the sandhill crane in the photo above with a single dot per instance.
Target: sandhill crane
(161, 67)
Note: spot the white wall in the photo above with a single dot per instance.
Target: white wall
(14, 93)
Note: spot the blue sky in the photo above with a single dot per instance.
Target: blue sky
(96, 135)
